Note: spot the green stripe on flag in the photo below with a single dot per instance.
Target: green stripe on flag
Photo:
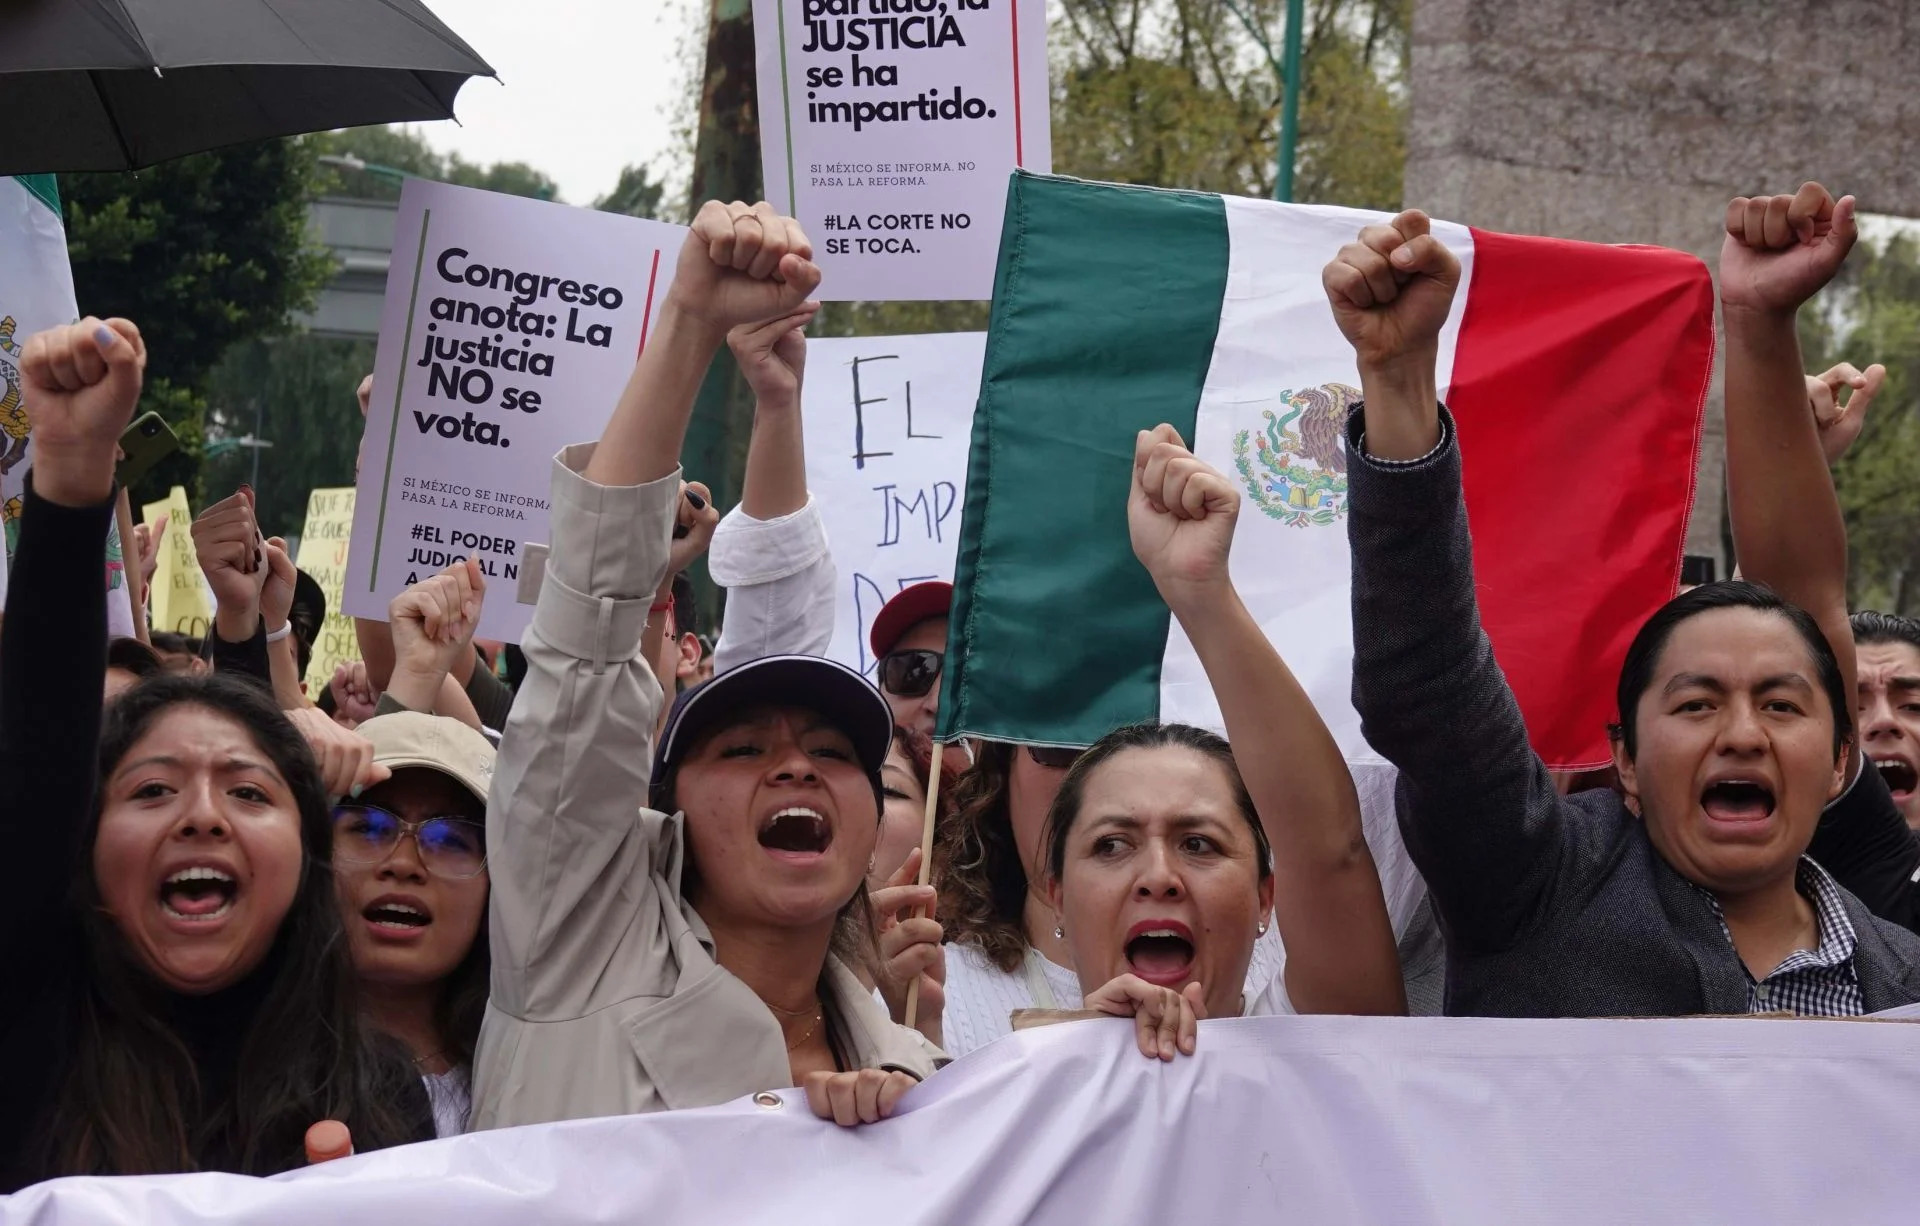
(45, 188)
(1105, 307)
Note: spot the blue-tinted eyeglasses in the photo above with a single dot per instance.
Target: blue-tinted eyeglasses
(449, 846)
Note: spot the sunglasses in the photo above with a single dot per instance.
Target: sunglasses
(449, 846)
(909, 674)
(1053, 757)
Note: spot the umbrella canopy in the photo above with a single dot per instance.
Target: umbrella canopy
(121, 84)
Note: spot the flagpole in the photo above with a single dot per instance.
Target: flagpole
(926, 865)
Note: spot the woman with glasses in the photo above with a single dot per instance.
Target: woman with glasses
(410, 866)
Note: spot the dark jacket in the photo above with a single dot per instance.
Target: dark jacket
(1551, 906)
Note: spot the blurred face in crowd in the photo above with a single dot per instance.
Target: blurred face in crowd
(1890, 719)
(1031, 788)
(411, 913)
(198, 856)
(1735, 759)
(781, 820)
(1161, 877)
(902, 814)
(917, 713)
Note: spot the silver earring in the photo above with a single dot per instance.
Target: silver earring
(870, 869)
(1260, 929)
(1059, 933)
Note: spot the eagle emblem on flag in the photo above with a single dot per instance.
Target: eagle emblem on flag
(1295, 470)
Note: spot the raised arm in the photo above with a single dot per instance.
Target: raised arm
(1477, 808)
(233, 557)
(1327, 900)
(1779, 251)
(770, 552)
(80, 384)
(569, 862)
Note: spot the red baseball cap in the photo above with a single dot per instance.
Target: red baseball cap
(909, 607)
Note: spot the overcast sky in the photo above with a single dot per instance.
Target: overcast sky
(586, 86)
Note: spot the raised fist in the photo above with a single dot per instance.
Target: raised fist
(1180, 516)
(773, 356)
(1391, 290)
(742, 264)
(233, 557)
(434, 620)
(276, 593)
(699, 517)
(79, 386)
(1780, 250)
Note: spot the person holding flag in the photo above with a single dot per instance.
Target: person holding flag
(1687, 892)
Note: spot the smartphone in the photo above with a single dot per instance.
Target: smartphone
(145, 443)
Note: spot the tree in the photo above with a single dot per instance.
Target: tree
(637, 194)
(201, 252)
(296, 392)
(397, 148)
(1872, 314)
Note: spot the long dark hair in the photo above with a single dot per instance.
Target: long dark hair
(133, 1099)
(1636, 671)
(1066, 802)
(976, 863)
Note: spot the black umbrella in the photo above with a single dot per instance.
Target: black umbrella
(121, 84)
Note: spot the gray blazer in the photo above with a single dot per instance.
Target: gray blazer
(1551, 906)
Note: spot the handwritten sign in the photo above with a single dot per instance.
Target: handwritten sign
(888, 420)
(180, 601)
(323, 554)
(890, 129)
(509, 328)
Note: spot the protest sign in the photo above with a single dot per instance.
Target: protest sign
(180, 601)
(887, 422)
(888, 129)
(323, 554)
(1272, 1119)
(509, 328)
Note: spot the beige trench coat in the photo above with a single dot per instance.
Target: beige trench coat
(606, 998)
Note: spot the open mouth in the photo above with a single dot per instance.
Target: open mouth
(1160, 951)
(198, 895)
(1737, 800)
(1900, 776)
(397, 915)
(795, 829)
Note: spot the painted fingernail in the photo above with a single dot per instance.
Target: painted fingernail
(104, 336)
(355, 791)
(699, 503)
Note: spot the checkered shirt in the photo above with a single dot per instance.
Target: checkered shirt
(1811, 983)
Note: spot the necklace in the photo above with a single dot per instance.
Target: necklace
(813, 1026)
(790, 1012)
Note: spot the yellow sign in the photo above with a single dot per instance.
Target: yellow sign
(181, 603)
(323, 554)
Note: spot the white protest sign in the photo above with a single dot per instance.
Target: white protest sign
(509, 328)
(888, 421)
(889, 128)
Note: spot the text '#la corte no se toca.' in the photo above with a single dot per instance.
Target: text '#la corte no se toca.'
(462, 368)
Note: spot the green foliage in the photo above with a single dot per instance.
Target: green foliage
(1872, 314)
(298, 393)
(637, 194)
(201, 252)
(1183, 93)
(395, 148)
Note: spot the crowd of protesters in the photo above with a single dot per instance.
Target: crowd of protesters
(622, 868)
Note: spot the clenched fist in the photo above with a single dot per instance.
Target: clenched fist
(1180, 517)
(742, 264)
(1780, 250)
(79, 386)
(1391, 289)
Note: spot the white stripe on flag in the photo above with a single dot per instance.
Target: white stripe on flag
(1277, 335)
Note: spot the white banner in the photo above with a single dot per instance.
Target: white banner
(509, 328)
(1309, 1119)
(889, 128)
(888, 421)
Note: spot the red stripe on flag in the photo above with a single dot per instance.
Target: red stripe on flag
(646, 317)
(1019, 137)
(1579, 386)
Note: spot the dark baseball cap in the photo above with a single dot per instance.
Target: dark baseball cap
(909, 607)
(839, 694)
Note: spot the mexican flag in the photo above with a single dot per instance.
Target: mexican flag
(36, 292)
(1577, 373)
